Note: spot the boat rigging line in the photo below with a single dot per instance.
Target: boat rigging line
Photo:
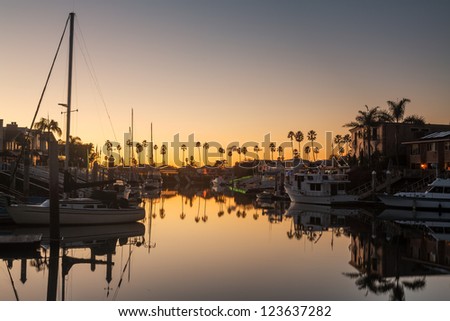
(90, 66)
(39, 104)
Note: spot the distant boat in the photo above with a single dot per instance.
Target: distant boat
(436, 197)
(324, 186)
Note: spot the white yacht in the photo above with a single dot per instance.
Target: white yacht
(436, 197)
(319, 186)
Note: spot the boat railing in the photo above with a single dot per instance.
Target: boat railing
(420, 185)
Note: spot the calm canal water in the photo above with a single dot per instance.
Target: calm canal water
(204, 245)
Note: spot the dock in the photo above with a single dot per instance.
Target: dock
(23, 240)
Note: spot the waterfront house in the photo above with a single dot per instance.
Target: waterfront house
(431, 151)
(383, 138)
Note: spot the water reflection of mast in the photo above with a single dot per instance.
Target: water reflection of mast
(12, 281)
(149, 228)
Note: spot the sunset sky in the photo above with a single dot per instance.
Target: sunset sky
(224, 71)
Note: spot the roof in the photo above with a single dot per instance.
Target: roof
(436, 135)
(433, 137)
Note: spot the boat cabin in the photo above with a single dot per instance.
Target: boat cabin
(317, 183)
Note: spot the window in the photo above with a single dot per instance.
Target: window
(431, 147)
(415, 150)
(374, 133)
(315, 187)
(437, 189)
(447, 145)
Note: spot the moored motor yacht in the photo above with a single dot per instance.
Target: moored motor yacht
(319, 186)
(436, 197)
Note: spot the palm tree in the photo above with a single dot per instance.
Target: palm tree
(307, 151)
(338, 140)
(119, 148)
(130, 146)
(291, 136)
(108, 145)
(230, 155)
(397, 112)
(163, 153)
(221, 152)
(347, 139)
(312, 136)
(299, 138)
(244, 151)
(198, 145)
(272, 149)
(183, 149)
(414, 119)
(48, 125)
(139, 149)
(397, 109)
(280, 152)
(156, 154)
(205, 150)
(256, 150)
(144, 145)
(366, 120)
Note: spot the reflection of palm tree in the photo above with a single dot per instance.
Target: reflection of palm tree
(291, 232)
(368, 281)
(197, 218)
(162, 211)
(204, 217)
(398, 290)
(183, 214)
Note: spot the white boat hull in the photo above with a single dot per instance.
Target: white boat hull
(73, 235)
(415, 202)
(297, 197)
(39, 215)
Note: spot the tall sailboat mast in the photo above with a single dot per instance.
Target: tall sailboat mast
(69, 91)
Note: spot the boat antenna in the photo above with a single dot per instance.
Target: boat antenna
(39, 103)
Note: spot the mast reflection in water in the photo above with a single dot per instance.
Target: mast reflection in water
(200, 244)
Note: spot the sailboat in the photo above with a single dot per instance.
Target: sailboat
(75, 211)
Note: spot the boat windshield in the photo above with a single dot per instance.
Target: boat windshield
(436, 189)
